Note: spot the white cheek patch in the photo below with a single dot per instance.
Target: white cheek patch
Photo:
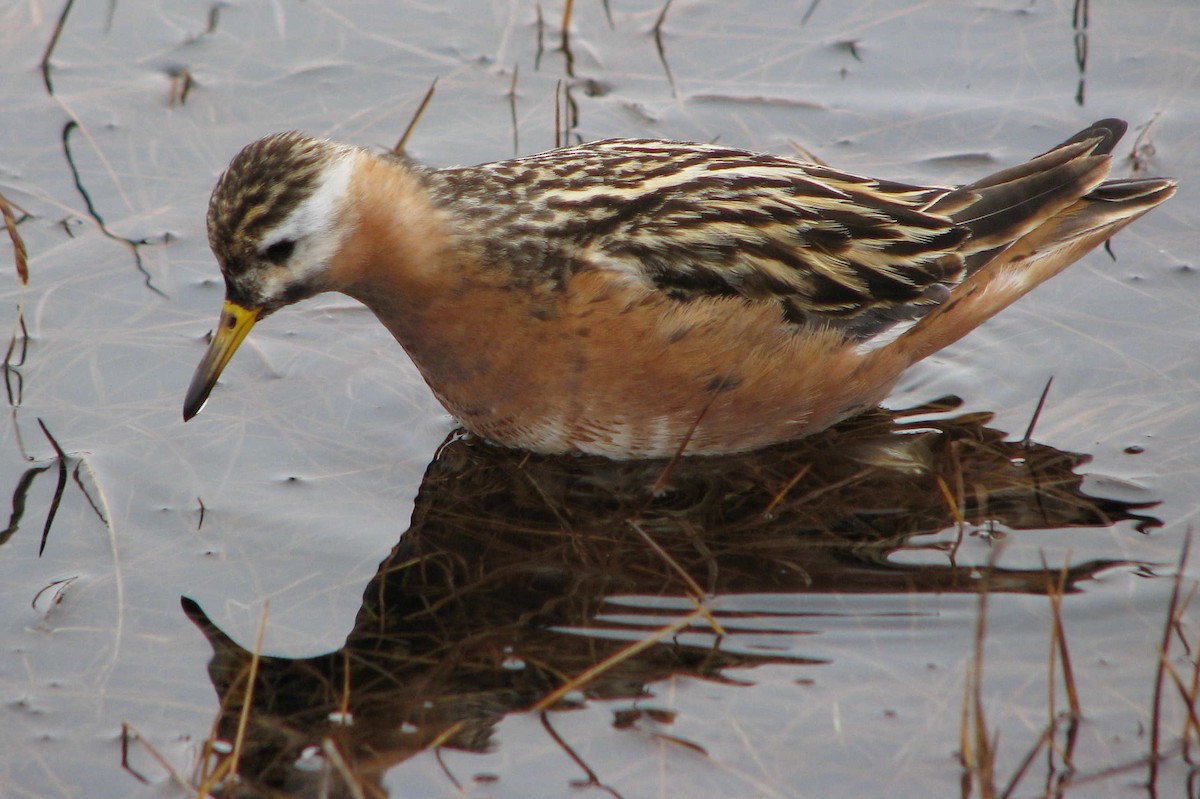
(313, 227)
(274, 281)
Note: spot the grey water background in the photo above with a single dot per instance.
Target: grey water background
(301, 473)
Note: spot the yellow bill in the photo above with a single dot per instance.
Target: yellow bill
(235, 323)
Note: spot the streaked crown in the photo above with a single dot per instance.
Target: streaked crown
(269, 216)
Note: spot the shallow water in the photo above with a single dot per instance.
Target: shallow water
(848, 610)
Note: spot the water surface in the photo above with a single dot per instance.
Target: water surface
(439, 599)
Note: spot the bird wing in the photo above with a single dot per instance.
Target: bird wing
(699, 220)
(696, 220)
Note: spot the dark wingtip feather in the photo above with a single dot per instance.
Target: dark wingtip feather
(1148, 191)
(1105, 132)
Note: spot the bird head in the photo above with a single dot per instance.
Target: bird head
(277, 216)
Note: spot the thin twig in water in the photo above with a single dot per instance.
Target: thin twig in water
(61, 458)
(1194, 691)
(181, 86)
(20, 497)
(1187, 693)
(344, 704)
(215, 776)
(49, 51)
(128, 731)
(512, 108)
(788, 486)
(1060, 653)
(20, 254)
(693, 586)
(1037, 413)
(1054, 590)
(1163, 655)
(1143, 146)
(805, 153)
(334, 758)
(95, 505)
(1180, 633)
(618, 657)
(978, 750)
(416, 117)
(955, 503)
(58, 587)
(812, 7)
(18, 342)
(1079, 21)
(14, 381)
(1111, 771)
(1027, 761)
(660, 484)
(565, 42)
(662, 50)
(248, 696)
(1189, 702)
(125, 735)
(446, 735)
(568, 10)
(209, 779)
(214, 18)
(593, 779)
(132, 244)
(541, 39)
(557, 114)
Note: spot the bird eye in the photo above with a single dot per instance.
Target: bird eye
(280, 251)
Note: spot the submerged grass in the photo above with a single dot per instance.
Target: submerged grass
(1172, 627)
(980, 745)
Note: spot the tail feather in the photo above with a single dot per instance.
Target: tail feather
(1051, 246)
(1004, 206)
(1131, 190)
(1106, 133)
(1097, 139)
(1007, 211)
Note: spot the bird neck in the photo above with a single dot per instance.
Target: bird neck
(399, 252)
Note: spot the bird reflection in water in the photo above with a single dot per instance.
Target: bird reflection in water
(511, 576)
